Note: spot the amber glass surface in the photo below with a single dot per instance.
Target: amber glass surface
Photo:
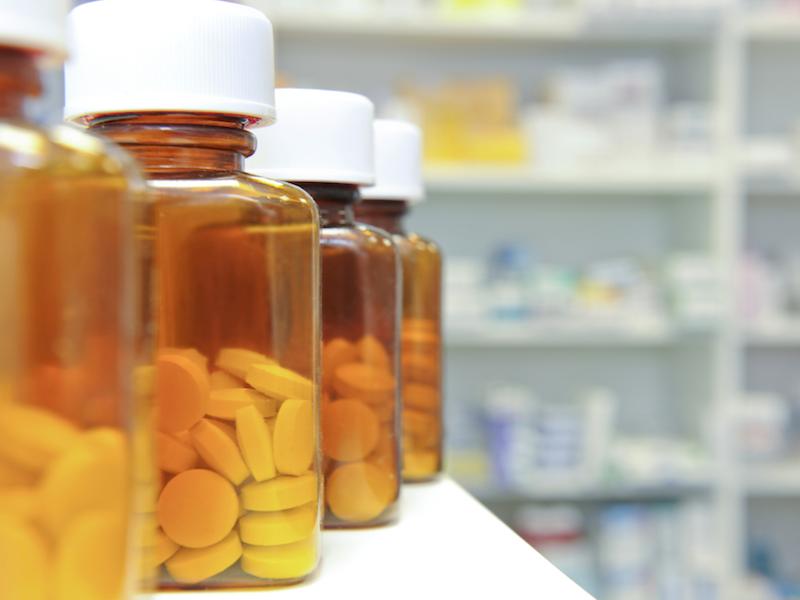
(360, 418)
(421, 339)
(237, 262)
(73, 445)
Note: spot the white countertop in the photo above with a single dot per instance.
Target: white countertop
(446, 545)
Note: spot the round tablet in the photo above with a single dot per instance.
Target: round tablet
(182, 390)
(349, 430)
(337, 352)
(280, 493)
(359, 492)
(255, 442)
(197, 508)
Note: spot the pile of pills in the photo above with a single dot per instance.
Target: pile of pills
(422, 427)
(236, 448)
(359, 414)
(63, 506)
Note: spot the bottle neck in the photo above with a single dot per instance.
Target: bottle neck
(180, 144)
(334, 200)
(19, 80)
(388, 215)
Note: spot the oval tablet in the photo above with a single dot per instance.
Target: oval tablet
(223, 404)
(193, 565)
(276, 528)
(280, 493)
(255, 443)
(294, 437)
(289, 561)
(219, 451)
(237, 361)
(278, 382)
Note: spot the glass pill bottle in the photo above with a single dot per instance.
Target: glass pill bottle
(237, 285)
(323, 143)
(399, 186)
(68, 424)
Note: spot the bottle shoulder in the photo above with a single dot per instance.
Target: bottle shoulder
(359, 237)
(422, 244)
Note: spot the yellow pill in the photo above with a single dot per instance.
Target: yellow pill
(277, 382)
(349, 430)
(91, 476)
(336, 353)
(174, 456)
(163, 549)
(360, 491)
(31, 438)
(193, 565)
(197, 508)
(293, 440)
(220, 380)
(90, 562)
(11, 475)
(219, 451)
(237, 361)
(418, 424)
(280, 493)
(289, 561)
(20, 501)
(23, 556)
(224, 403)
(182, 391)
(255, 443)
(144, 381)
(420, 463)
(197, 357)
(276, 528)
(420, 369)
(370, 384)
(421, 396)
(373, 353)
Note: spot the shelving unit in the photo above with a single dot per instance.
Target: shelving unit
(672, 204)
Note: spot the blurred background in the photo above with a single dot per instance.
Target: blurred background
(616, 186)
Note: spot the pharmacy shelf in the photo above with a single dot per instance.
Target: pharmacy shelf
(567, 333)
(669, 179)
(784, 333)
(565, 24)
(773, 481)
(619, 492)
(773, 26)
(446, 545)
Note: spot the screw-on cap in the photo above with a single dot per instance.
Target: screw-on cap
(36, 25)
(398, 162)
(321, 136)
(205, 56)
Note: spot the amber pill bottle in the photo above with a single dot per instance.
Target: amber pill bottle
(398, 187)
(178, 84)
(68, 423)
(323, 143)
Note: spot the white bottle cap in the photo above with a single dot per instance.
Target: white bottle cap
(36, 25)
(205, 56)
(398, 162)
(321, 136)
